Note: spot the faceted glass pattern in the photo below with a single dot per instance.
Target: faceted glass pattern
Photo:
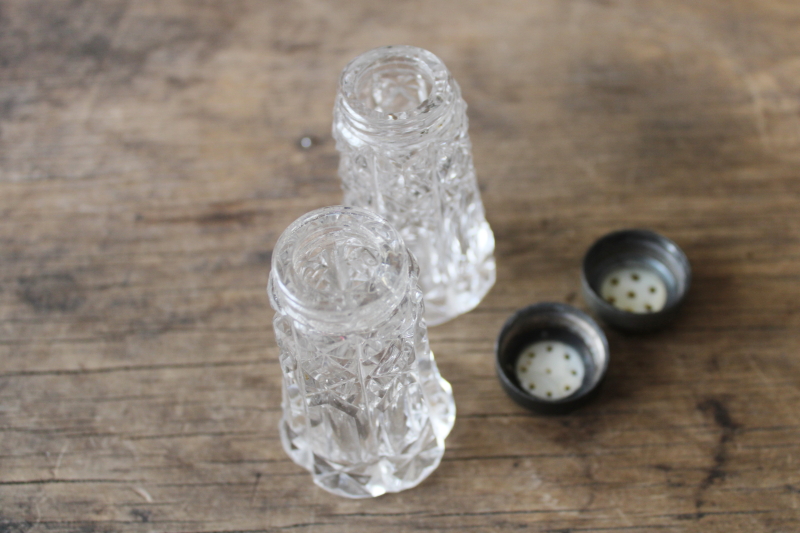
(365, 409)
(400, 126)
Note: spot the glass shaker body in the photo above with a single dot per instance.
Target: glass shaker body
(400, 126)
(365, 409)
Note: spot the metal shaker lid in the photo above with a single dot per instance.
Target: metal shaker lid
(635, 279)
(551, 358)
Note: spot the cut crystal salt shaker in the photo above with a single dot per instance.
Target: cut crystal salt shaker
(400, 126)
(365, 409)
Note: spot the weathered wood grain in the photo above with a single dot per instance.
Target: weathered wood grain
(150, 157)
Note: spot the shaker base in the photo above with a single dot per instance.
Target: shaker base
(457, 304)
(393, 473)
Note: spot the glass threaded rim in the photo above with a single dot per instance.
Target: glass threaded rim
(340, 266)
(395, 94)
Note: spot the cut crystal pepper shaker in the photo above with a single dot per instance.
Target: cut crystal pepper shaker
(400, 126)
(365, 409)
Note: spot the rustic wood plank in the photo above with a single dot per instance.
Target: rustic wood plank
(150, 158)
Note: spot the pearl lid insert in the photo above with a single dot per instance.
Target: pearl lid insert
(550, 370)
(635, 290)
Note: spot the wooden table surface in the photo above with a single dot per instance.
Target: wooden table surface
(150, 158)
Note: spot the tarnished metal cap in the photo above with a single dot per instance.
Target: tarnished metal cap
(551, 357)
(635, 279)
